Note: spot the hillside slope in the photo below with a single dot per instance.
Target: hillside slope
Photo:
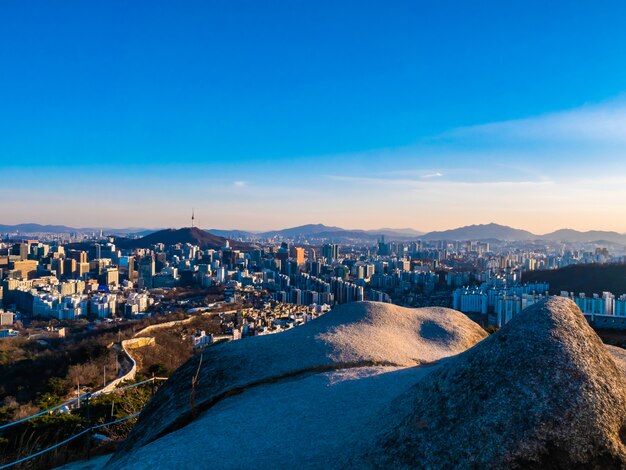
(587, 278)
(481, 232)
(192, 235)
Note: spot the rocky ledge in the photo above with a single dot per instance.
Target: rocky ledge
(376, 386)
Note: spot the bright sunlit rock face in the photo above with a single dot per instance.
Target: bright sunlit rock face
(355, 340)
(543, 391)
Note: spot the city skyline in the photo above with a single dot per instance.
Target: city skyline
(427, 116)
(243, 234)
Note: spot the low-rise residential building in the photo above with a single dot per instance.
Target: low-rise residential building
(103, 305)
(200, 339)
(6, 318)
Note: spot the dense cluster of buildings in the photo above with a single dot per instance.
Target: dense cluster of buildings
(95, 278)
(604, 304)
(270, 317)
(501, 301)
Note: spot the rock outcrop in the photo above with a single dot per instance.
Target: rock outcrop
(543, 392)
(354, 335)
(377, 386)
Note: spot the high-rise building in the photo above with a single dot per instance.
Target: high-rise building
(383, 248)
(111, 277)
(82, 269)
(297, 253)
(70, 267)
(56, 264)
(25, 268)
(95, 251)
(24, 250)
(79, 256)
(131, 268)
(330, 252)
(146, 271)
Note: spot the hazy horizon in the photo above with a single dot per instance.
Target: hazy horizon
(430, 115)
(271, 229)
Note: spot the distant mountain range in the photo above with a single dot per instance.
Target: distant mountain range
(471, 232)
(60, 229)
(482, 232)
(324, 233)
(592, 235)
(503, 232)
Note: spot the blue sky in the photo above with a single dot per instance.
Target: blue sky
(423, 114)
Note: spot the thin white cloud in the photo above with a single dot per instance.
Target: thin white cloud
(603, 123)
(430, 184)
(568, 175)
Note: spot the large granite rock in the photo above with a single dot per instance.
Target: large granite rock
(363, 388)
(543, 392)
(360, 334)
